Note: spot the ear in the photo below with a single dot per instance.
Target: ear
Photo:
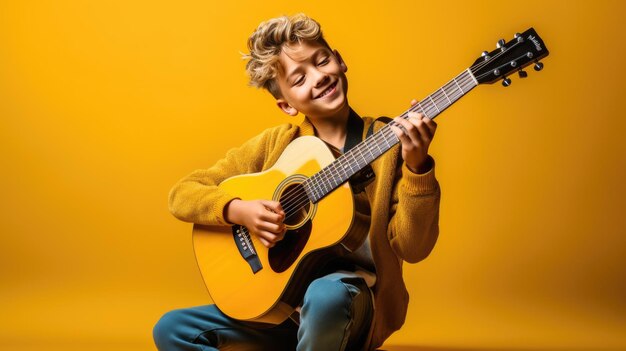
(286, 108)
(342, 63)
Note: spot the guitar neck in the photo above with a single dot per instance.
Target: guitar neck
(351, 162)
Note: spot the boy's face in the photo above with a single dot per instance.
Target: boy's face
(312, 81)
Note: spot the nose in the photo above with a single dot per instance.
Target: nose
(321, 78)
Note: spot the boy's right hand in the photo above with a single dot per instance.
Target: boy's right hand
(263, 218)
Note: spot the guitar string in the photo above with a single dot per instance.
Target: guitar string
(454, 95)
(334, 171)
(291, 204)
(488, 73)
(439, 96)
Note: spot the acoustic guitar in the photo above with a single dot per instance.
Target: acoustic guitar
(250, 282)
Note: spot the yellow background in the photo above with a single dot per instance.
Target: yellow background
(104, 105)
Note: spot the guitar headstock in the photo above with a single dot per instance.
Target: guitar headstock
(523, 50)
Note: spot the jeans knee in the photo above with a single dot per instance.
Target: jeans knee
(328, 297)
(167, 330)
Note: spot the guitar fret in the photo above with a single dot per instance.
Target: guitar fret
(339, 171)
(469, 74)
(387, 142)
(335, 169)
(423, 111)
(335, 182)
(432, 110)
(357, 156)
(327, 177)
(370, 150)
(446, 95)
(470, 80)
(353, 162)
(380, 152)
(457, 84)
(439, 100)
(350, 164)
(313, 187)
(323, 185)
(366, 161)
(363, 161)
(434, 103)
(319, 185)
(451, 89)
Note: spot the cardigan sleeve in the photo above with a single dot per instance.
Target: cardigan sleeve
(414, 223)
(197, 199)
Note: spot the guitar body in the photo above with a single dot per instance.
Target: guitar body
(271, 294)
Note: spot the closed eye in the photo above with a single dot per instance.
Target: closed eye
(299, 81)
(323, 62)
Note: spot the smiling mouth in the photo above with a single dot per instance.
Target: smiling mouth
(330, 89)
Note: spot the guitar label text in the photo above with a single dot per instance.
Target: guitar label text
(535, 41)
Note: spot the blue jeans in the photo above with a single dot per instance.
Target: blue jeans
(336, 315)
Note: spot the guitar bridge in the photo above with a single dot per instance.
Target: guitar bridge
(246, 247)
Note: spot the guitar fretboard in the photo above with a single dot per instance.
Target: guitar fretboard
(348, 164)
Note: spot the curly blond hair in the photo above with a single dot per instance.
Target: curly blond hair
(267, 41)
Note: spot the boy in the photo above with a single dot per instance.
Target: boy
(346, 309)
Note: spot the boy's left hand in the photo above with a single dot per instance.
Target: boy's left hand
(416, 137)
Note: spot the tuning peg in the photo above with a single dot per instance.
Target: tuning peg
(538, 66)
(500, 44)
(519, 37)
(485, 55)
(506, 82)
(522, 73)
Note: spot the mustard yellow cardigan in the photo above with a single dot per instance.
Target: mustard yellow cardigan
(404, 212)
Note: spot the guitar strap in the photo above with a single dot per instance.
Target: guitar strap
(355, 135)
(383, 119)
